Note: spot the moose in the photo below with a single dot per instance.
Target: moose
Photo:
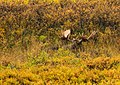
(76, 42)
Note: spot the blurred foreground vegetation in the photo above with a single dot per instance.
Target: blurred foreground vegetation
(32, 51)
(63, 70)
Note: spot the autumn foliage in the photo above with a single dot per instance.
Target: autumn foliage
(32, 51)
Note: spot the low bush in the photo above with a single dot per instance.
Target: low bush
(19, 21)
(64, 70)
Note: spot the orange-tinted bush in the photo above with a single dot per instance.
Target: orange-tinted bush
(20, 20)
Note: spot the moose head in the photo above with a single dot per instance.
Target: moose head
(67, 33)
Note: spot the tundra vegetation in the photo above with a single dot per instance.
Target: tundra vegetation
(32, 51)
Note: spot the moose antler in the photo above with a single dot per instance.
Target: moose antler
(77, 41)
(65, 34)
(84, 39)
(92, 35)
